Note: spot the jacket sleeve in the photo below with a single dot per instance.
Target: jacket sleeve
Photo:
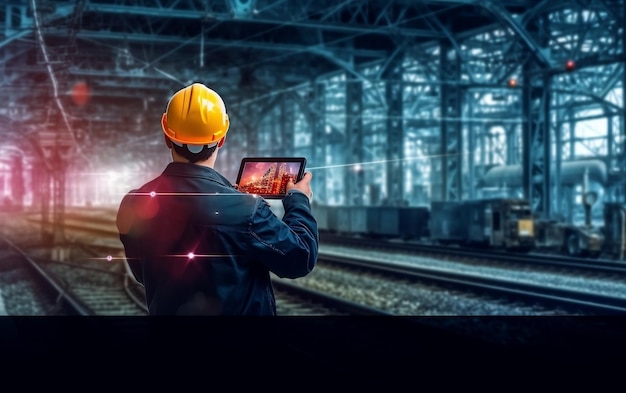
(288, 248)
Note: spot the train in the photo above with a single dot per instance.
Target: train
(494, 223)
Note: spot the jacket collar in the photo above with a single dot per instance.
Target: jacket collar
(183, 169)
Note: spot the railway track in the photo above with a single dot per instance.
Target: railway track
(561, 300)
(81, 226)
(559, 262)
(98, 283)
(86, 288)
(23, 289)
(302, 301)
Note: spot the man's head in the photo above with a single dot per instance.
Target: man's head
(195, 122)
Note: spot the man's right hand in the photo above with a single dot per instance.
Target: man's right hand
(303, 185)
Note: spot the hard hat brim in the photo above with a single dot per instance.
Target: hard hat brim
(194, 148)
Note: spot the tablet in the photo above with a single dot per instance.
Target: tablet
(268, 177)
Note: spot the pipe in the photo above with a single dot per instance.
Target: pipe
(623, 245)
(586, 204)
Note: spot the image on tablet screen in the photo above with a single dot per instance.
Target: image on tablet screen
(268, 178)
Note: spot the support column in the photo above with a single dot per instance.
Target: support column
(621, 150)
(44, 192)
(55, 147)
(17, 182)
(451, 138)
(536, 139)
(395, 133)
(471, 163)
(536, 98)
(58, 196)
(318, 142)
(354, 189)
(558, 160)
(287, 122)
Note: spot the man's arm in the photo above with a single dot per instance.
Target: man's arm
(124, 221)
(288, 248)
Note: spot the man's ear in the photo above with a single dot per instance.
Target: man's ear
(221, 142)
(168, 142)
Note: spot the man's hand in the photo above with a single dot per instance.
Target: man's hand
(303, 185)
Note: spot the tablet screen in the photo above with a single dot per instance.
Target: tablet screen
(268, 177)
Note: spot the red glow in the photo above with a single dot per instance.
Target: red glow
(512, 82)
(80, 93)
(570, 65)
(148, 208)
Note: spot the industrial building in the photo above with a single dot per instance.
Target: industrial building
(397, 102)
(515, 107)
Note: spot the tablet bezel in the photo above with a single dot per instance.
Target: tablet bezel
(249, 160)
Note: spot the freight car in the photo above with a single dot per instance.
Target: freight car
(374, 221)
(498, 223)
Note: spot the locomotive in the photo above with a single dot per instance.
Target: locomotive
(497, 223)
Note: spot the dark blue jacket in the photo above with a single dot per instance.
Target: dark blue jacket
(199, 246)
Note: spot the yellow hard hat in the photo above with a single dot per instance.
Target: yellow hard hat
(195, 115)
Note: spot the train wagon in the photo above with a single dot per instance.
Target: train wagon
(343, 224)
(358, 219)
(448, 222)
(497, 223)
(326, 217)
(375, 221)
(384, 221)
(414, 222)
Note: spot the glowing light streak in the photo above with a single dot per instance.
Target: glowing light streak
(359, 164)
(192, 255)
(187, 256)
(108, 258)
(154, 194)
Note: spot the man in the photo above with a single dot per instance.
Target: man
(197, 244)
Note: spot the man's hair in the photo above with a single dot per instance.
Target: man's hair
(203, 155)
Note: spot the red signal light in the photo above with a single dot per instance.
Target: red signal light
(80, 93)
(512, 82)
(570, 65)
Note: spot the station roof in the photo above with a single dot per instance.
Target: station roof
(127, 57)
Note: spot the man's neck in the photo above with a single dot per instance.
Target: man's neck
(210, 163)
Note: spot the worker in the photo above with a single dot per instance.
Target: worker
(197, 244)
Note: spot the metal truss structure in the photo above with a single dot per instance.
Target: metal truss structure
(392, 101)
